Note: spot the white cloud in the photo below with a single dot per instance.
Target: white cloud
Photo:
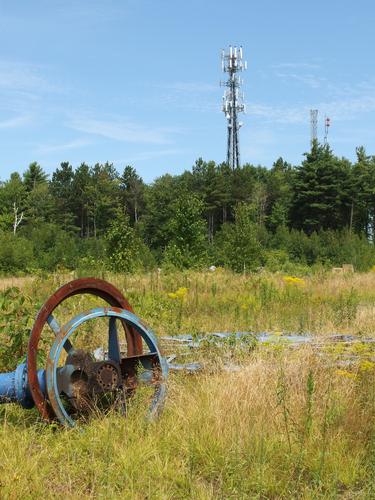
(347, 109)
(194, 87)
(149, 155)
(307, 74)
(16, 76)
(27, 93)
(295, 65)
(17, 121)
(278, 114)
(343, 105)
(51, 148)
(123, 130)
(310, 80)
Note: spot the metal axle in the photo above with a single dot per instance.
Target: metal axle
(14, 386)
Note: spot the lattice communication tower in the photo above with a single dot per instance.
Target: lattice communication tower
(313, 125)
(233, 101)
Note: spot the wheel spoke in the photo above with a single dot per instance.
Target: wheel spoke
(114, 352)
(55, 327)
(63, 380)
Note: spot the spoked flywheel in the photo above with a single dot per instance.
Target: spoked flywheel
(80, 379)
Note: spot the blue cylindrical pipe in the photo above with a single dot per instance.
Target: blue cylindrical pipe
(14, 386)
(8, 387)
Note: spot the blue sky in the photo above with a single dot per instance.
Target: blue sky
(137, 81)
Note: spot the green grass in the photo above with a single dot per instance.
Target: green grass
(290, 423)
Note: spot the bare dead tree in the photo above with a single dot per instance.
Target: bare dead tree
(17, 218)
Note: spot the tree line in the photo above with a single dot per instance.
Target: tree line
(321, 212)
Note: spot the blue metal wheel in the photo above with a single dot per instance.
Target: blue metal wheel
(85, 377)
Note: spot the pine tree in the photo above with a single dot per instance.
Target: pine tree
(34, 176)
(132, 191)
(321, 192)
(61, 188)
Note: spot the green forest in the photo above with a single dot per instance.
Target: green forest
(93, 217)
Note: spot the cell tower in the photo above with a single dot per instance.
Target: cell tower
(233, 101)
(327, 124)
(313, 125)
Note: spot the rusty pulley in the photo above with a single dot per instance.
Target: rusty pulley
(88, 367)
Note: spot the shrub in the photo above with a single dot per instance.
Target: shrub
(16, 253)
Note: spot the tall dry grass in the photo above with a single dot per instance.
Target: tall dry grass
(288, 423)
(323, 303)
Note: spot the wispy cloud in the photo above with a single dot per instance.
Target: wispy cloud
(149, 155)
(310, 80)
(194, 95)
(123, 130)
(17, 121)
(191, 87)
(52, 148)
(347, 109)
(309, 74)
(27, 93)
(344, 103)
(278, 114)
(296, 65)
(20, 76)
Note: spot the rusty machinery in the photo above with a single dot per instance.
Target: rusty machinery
(75, 380)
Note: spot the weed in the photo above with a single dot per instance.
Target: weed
(287, 423)
(16, 320)
(282, 394)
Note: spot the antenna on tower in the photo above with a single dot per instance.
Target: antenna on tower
(313, 125)
(327, 124)
(233, 101)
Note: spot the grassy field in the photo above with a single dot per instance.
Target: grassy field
(287, 423)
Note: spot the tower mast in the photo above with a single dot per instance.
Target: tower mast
(327, 124)
(233, 101)
(313, 125)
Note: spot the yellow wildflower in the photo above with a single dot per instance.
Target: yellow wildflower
(361, 348)
(249, 302)
(179, 294)
(293, 280)
(345, 373)
(366, 365)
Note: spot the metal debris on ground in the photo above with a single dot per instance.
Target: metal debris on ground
(185, 344)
